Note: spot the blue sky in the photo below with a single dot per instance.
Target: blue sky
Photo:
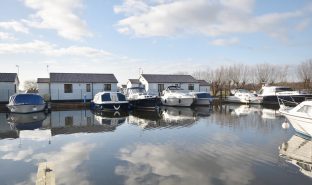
(159, 36)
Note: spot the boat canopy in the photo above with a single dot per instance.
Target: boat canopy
(26, 99)
(203, 95)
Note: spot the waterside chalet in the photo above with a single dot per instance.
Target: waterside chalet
(9, 85)
(156, 83)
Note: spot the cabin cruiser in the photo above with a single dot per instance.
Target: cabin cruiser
(26, 103)
(298, 151)
(176, 96)
(109, 101)
(272, 95)
(201, 98)
(243, 96)
(300, 117)
(139, 98)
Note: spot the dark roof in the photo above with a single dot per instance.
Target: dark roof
(8, 77)
(134, 81)
(43, 80)
(163, 78)
(82, 78)
(203, 83)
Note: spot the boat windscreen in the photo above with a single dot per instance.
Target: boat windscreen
(281, 89)
(121, 97)
(106, 97)
(28, 99)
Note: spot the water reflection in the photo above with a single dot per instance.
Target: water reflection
(229, 144)
(166, 117)
(298, 151)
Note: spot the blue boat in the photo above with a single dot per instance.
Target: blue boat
(109, 101)
(26, 103)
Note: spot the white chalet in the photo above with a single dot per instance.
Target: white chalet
(204, 86)
(79, 86)
(9, 84)
(156, 83)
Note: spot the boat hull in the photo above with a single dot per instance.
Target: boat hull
(202, 101)
(147, 103)
(178, 102)
(302, 125)
(26, 108)
(273, 100)
(111, 106)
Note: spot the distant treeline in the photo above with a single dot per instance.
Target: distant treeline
(252, 77)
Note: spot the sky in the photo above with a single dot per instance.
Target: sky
(125, 37)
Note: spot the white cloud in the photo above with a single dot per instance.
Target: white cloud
(225, 42)
(18, 155)
(207, 17)
(59, 15)
(14, 25)
(6, 36)
(49, 49)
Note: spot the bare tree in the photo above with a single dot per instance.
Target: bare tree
(31, 86)
(304, 71)
(264, 73)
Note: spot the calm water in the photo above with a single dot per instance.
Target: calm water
(230, 144)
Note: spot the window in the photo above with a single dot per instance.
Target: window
(68, 88)
(306, 109)
(106, 97)
(69, 120)
(88, 87)
(191, 87)
(161, 87)
(107, 87)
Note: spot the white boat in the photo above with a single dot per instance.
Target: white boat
(298, 151)
(271, 94)
(139, 98)
(243, 96)
(176, 96)
(201, 98)
(26, 103)
(109, 101)
(300, 117)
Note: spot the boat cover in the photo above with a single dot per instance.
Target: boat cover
(26, 99)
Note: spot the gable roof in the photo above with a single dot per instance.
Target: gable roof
(165, 78)
(82, 78)
(8, 77)
(134, 81)
(203, 83)
(43, 80)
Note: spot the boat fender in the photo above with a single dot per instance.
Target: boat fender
(116, 108)
(101, 107)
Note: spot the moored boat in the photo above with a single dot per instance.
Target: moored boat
(140, 99)
(109, 101)
(243, 96)
(300, 117)
(271, 94)
(176, 96)
(26, 103)
(201, 98)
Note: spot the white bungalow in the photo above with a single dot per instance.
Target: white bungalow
(204, 86)
(133, 83)
(9, 84)
(79, 86)
(156, 83)
(43, 85)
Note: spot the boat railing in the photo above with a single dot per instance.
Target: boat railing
(282, 102)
